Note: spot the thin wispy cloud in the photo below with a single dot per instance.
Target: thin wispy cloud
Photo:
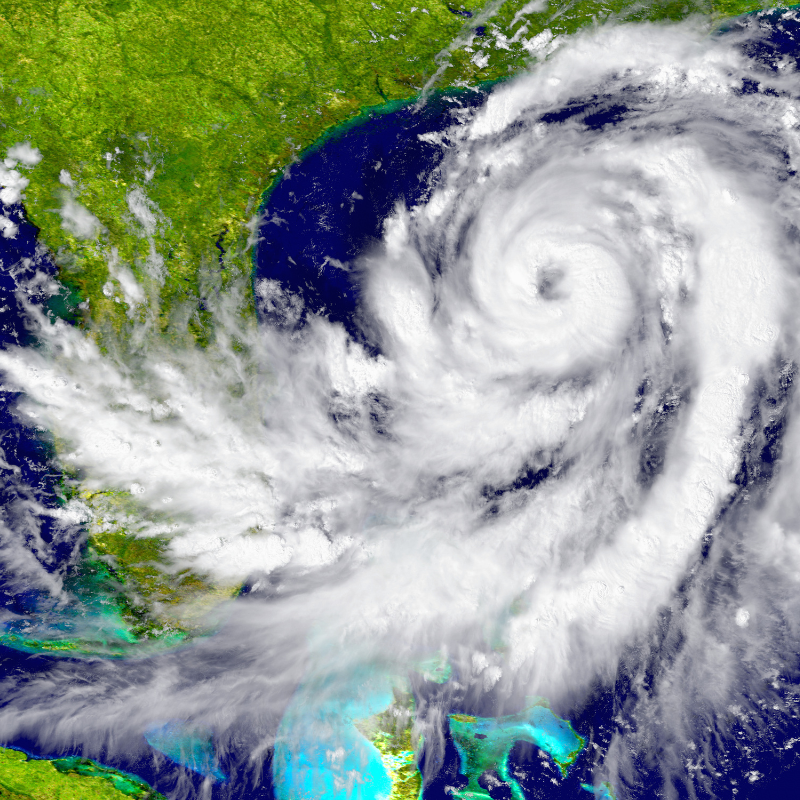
(584, 334)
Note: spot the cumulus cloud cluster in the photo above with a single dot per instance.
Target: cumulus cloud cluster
(13, 183)
(586, 337)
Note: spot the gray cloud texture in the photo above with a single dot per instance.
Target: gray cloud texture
(604, 308)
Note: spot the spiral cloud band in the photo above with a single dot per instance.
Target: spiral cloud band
(563, 452)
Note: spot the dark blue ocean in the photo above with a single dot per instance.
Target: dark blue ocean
(319, 218)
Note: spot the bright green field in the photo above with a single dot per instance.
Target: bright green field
(201, 105)
(195, 108)
(216, 98)
(66, 779)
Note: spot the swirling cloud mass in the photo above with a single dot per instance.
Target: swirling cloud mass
(563, 451)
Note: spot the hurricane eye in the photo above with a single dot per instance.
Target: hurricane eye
(454, 456)
(550, 283)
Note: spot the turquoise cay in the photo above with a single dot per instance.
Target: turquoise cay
(484, 745)
(321, 755)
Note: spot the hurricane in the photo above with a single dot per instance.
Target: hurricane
(541, 454)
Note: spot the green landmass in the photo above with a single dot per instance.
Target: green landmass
(167, 122)
(185, 111)
(390, 732)
(153, 595)
(215, 97)
(127, 592)
(66, 779)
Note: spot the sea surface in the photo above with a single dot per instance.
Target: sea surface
(324, 227)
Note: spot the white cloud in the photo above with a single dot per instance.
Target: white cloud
(12, 185)
(78, 220)
(742, 617)
(8, 228)
(132, 291)
(25, 153)
(144, 210)
(544, 449)
(148, 217)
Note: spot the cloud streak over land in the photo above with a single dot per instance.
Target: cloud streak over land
(587, 341)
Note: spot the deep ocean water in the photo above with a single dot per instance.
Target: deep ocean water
(524, 406)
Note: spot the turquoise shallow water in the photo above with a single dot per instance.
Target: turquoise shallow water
(186, 746)
(319, 752)
(484, 744)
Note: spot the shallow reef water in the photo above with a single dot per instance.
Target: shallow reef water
(506, 470)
